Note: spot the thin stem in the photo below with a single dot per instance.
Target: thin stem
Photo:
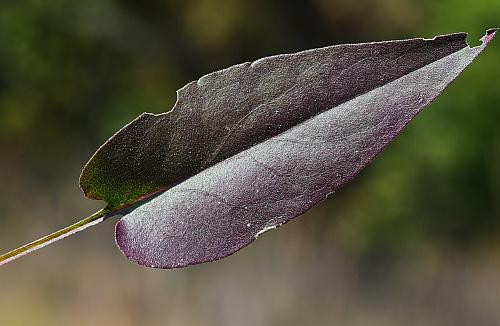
(93, 219)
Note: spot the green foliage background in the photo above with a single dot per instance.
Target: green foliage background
(413, 239)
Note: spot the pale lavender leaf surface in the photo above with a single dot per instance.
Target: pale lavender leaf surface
(226, 206)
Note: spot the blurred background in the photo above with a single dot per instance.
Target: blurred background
(413, 240)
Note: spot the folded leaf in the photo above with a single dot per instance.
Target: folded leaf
(250, 147)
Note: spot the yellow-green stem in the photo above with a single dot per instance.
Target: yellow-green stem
(93, 219)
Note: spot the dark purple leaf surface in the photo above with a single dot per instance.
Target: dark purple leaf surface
(250, 147)
(228, 111)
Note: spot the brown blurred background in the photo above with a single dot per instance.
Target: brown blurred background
(414, 240)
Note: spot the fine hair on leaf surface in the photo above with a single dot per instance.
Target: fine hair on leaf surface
(248, 148)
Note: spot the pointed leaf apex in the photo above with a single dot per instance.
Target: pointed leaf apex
(490, 34)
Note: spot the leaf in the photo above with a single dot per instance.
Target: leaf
(248, 148)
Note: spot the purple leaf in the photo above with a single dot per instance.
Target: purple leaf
(248, 148)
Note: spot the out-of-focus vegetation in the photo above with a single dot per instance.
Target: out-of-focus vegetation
(413, 240)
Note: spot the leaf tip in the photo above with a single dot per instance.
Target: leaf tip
(490, 35)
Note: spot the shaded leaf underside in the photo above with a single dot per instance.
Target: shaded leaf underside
(248, 148)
